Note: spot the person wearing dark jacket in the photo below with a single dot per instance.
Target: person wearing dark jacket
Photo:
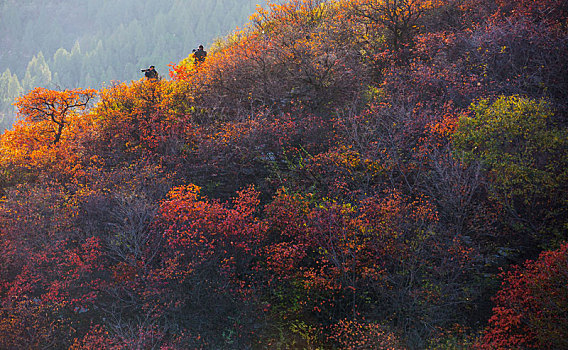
(150, 73)
(199, 55)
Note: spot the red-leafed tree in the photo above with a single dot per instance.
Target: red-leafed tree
(329, 259)
(202, 285)
(51, 300)
(531, 309)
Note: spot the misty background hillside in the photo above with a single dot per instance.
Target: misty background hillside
(91, 43)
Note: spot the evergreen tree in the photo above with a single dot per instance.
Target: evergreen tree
(10, 88)
(37, 74)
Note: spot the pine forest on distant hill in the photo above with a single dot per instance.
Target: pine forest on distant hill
(91, 43)
(349, 174)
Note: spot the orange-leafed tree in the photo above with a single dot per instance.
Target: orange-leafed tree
(53, 107)
(398, 17)
(46, 137)
(292, 54)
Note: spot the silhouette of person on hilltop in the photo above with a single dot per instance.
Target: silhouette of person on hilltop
(199, 55)
(150, 73)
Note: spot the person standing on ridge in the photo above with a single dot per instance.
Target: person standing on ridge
(199, 55)
(150, 73)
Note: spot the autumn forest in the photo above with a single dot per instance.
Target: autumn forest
(349, 174)
(68, 44)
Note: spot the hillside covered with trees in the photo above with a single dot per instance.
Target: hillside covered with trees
(91, 43)
(350, 174)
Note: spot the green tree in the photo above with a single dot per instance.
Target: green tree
(524, 153)
(37, 74)
(67, 67)
(10, 88)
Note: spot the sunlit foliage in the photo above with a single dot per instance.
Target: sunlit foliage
(516, 140)
(335, 175)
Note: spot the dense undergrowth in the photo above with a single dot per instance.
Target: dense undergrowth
(357, 174)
